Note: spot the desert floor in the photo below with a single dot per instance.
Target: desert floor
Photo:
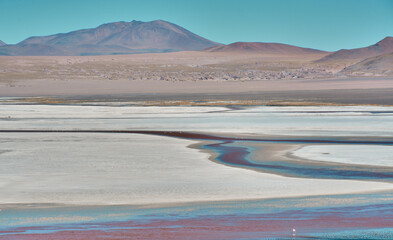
(191, 76)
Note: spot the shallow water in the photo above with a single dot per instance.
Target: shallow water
(323, 217)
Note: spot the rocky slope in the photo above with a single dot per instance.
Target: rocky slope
(358, 54)
(260, 47)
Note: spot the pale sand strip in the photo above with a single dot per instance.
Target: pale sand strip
(348, 154)
(260, 121)
(51, 87)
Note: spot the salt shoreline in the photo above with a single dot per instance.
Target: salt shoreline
(171, 182)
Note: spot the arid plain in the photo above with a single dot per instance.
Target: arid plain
(189, 76)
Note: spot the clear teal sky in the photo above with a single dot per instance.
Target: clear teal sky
(321, 24)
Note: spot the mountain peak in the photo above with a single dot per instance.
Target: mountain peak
(386, 41)
(159, 21)
(2, 43)
(114, 38)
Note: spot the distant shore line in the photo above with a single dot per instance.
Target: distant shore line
(206, 102)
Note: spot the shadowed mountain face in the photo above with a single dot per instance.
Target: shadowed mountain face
(381, 47)
(382, 65)
(259, 47)
(113, 38)
(2, 43)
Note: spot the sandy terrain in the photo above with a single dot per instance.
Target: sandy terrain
(195, 76)
(124, 87)
(178, 66)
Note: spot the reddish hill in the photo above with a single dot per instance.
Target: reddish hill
(260, 47)
(381, 47)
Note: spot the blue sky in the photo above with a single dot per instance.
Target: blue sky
(322, 24)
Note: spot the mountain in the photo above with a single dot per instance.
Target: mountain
(113, 38)
(381, 47)
(2, 43)
(381, 65)
(260, 47)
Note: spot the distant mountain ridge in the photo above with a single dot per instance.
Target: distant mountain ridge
(260, 47)
(381, 47)
(161, 36)
(113, 38)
